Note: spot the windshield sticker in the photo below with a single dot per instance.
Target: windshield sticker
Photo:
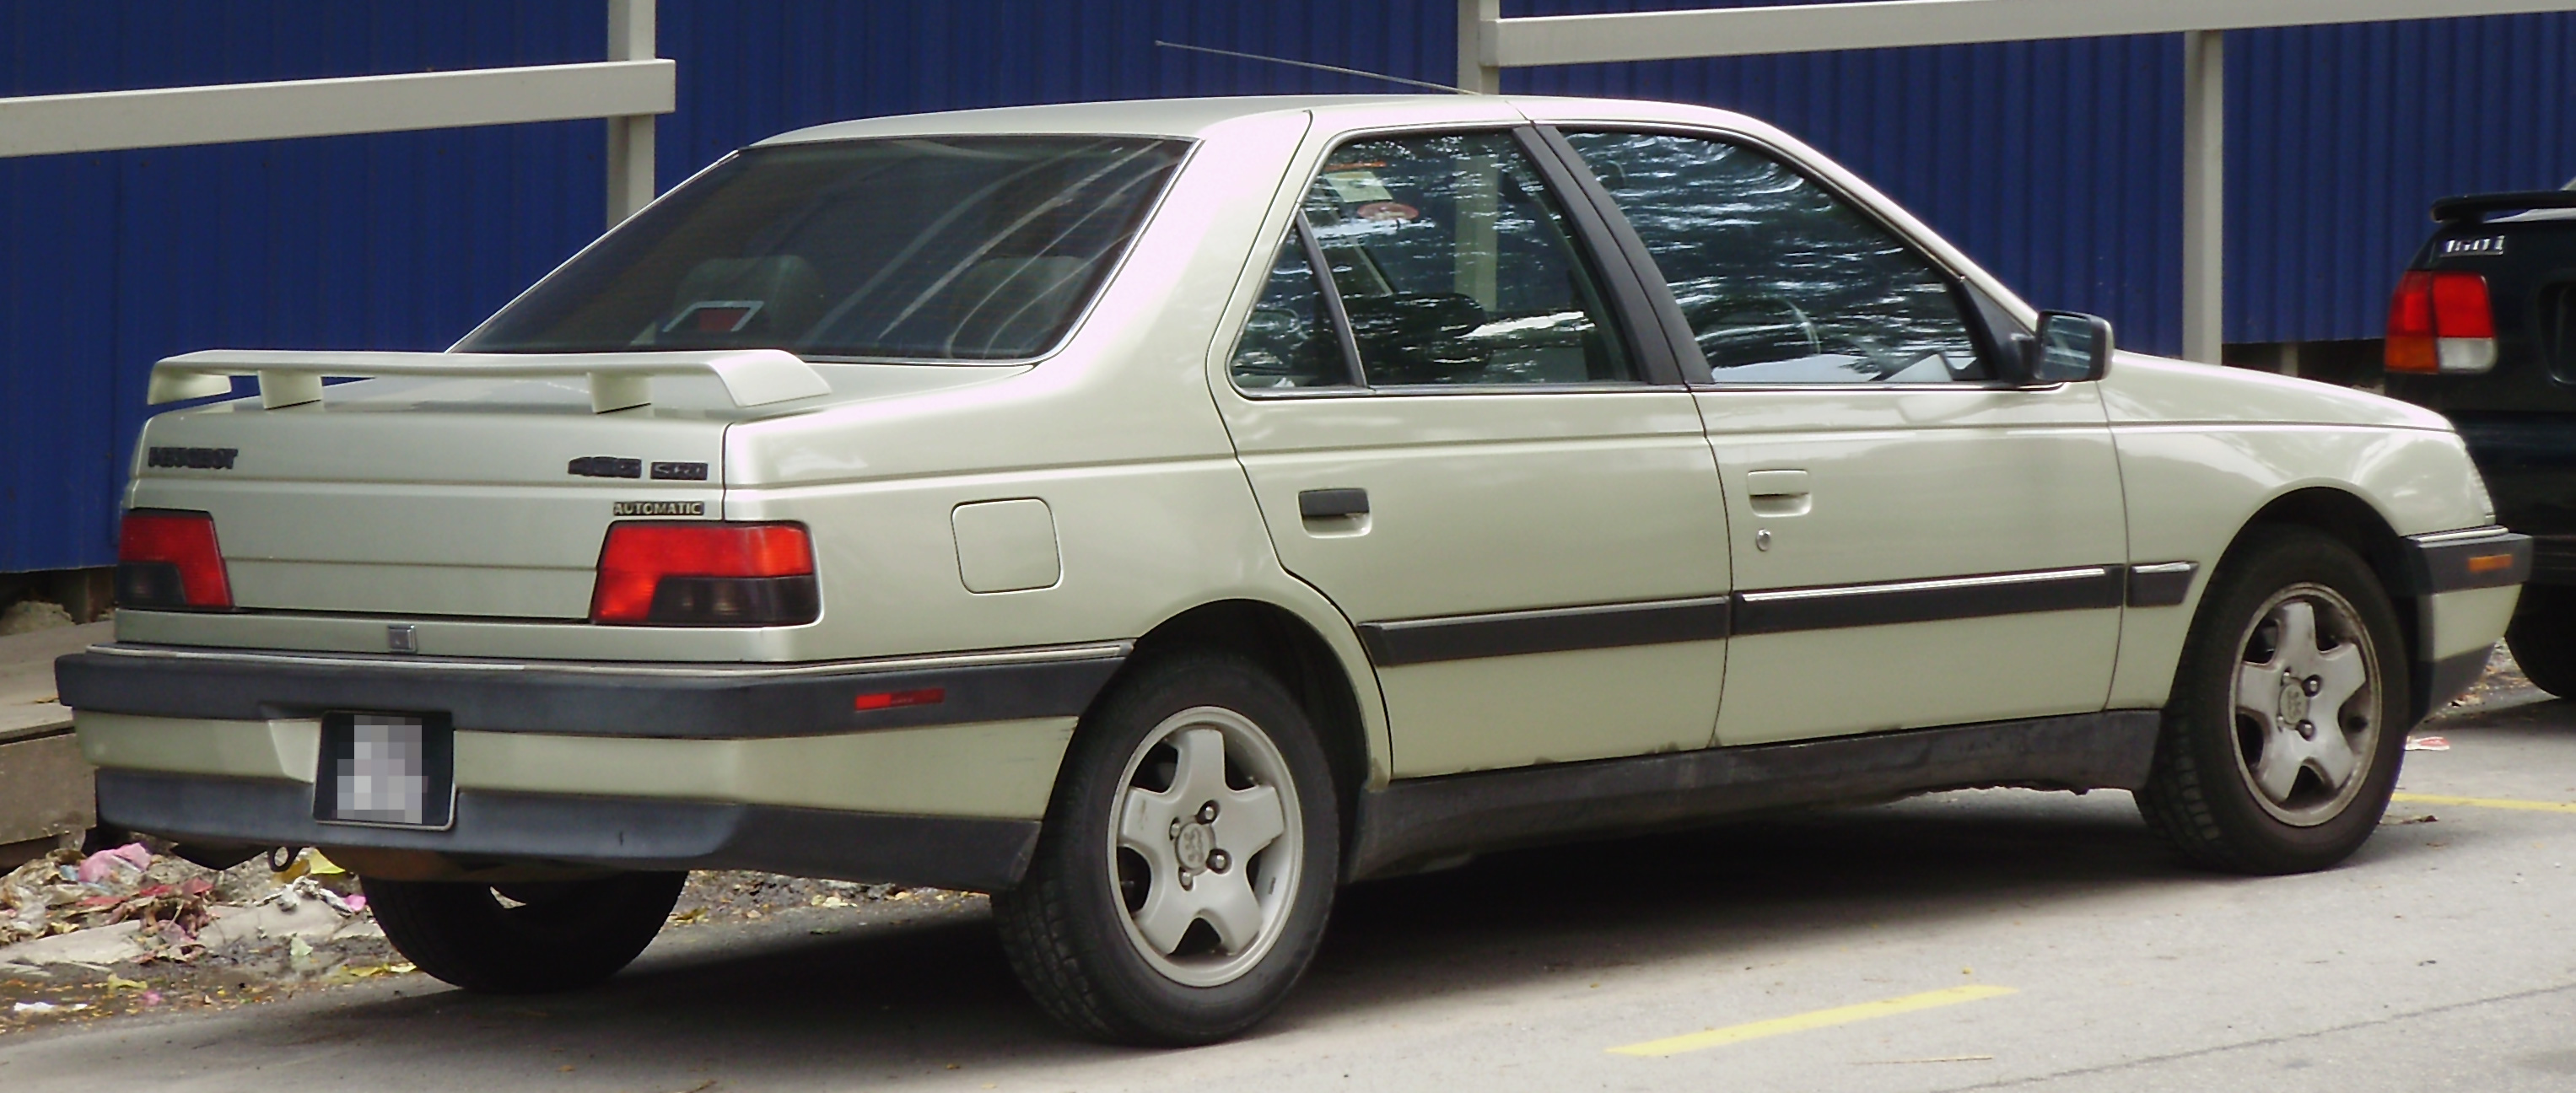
(1386, 210)
(1357, 187)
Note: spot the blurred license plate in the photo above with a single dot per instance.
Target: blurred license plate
(385, 769)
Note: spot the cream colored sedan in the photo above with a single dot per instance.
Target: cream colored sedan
(1158, 514)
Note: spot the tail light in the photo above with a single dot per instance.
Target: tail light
(167, 559)
(2440, 321)
(705, 574)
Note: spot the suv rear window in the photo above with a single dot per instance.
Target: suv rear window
(947, 248)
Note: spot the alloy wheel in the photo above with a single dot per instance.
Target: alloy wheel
(2306, 704)
(1207, 845)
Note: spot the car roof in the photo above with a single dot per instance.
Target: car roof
(1193, 117)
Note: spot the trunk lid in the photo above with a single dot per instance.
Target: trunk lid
(459, 495)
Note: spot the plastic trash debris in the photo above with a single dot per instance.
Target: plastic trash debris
(317, 865)
(100, 866)
(2428, 743)
(300, 889)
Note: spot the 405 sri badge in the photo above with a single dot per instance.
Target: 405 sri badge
(657, 508)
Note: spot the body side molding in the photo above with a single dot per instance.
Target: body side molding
(2161, 584)
(1514, 633)
(1772, 611)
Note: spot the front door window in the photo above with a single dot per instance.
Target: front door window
(1781, 280)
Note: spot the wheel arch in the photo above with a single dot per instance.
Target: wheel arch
(2347, 517)
(1318, 676)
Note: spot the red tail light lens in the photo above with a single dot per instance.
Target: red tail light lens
(2441, 321)
(167, 559)
(705, 574)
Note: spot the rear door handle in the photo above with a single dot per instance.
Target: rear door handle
(1778, 493)
(1326, 504)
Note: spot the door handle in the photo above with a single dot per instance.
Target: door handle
(1778, 493)
(1326, 504)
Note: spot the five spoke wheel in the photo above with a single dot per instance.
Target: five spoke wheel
(2283, 733)
(1206, 848)
(2306, 708)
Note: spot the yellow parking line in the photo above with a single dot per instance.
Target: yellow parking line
(2484, 802)
(1840, 1015)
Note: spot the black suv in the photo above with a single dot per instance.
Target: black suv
(2483, 329)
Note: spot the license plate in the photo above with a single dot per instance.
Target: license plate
(386, 769)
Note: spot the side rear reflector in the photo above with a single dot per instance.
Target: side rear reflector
(695, 573)
(887, 700)
(2441, 321)
(169, 559)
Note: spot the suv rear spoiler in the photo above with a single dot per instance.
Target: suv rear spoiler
(2474, 207)
(618, 381)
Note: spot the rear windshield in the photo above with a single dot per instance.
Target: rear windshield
(949, 248)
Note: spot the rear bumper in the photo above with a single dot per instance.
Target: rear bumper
(792, 769)
(970, 853)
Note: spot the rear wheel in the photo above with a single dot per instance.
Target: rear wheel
(2283, 736)
(524, 938)
(2543, 638)
(1187, 864)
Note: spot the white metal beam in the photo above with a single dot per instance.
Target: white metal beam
(631, 186)
(168, 117)
(1475, 73)
(2204, 194)
(1805, 28)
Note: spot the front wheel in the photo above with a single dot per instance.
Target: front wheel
(1188, 861)
(2285, 729)
(524, 938)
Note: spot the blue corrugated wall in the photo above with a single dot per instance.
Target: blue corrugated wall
(2053, 163)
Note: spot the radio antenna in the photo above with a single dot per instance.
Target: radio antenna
(1318, 68)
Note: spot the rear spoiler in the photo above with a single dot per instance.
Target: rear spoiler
(2474, 207)
(618, 381)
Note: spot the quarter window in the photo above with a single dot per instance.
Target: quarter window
(1457, 265)
(1782, 281)
(1291, 339)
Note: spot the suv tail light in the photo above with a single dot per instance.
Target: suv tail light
(705, 574)
(168, 559)
(2441, 322)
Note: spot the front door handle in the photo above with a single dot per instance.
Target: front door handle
(1778, 493)
(1327, 504)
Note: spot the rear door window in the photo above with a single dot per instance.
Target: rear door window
(1456, 264)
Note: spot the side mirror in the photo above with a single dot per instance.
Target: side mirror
(2070, 348)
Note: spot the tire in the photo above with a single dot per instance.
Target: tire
(2247, 778)
(1103, 931)
(2543, 637)
(559, 936)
